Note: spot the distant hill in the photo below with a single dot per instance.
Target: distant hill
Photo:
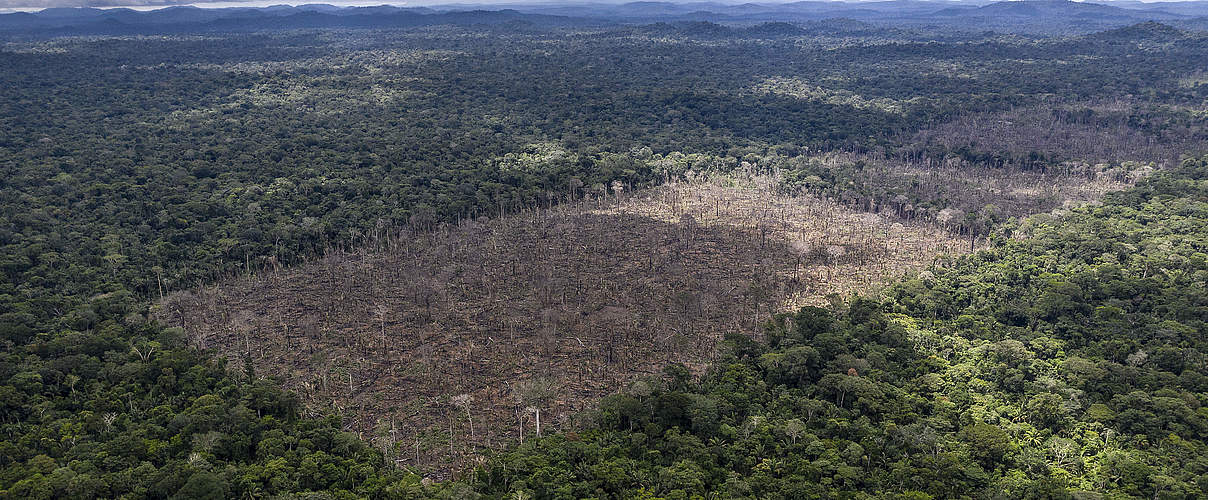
(59, 22)
(1061, 9)
(757, 20)
(705, 29)
(1147, 31)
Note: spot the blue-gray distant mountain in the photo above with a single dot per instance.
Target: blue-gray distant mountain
(750, 20)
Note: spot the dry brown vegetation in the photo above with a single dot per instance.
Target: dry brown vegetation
(891, 185)
(1110, 132)
(437, 343)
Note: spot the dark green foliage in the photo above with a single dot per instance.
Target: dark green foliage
(129, 168)
(112, 419)
(1050, 368)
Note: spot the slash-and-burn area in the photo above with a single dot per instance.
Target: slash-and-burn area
(435, 344)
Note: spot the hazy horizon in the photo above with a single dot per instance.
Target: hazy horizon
(7, 6)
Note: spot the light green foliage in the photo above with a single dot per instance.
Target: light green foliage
(1068, 360)
(1045, 398)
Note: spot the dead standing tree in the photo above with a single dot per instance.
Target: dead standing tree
(582, 296)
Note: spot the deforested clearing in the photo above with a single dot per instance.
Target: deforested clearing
(438, 343)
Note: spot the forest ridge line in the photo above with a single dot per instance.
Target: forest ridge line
(1050, 17)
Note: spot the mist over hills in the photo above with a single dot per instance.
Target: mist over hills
(1028, 16)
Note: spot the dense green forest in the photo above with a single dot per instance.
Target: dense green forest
(1069, 356)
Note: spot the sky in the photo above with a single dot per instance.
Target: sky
(41, 4)
(35, 5)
